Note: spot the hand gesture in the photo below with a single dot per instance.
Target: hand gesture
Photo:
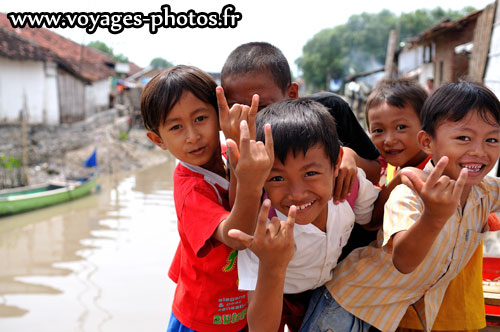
(252, 161)
(230, 119)
(348, 171)
(274, 245)
(440, 194)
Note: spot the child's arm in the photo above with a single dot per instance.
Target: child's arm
(348, 172)
(441, 197)
(251, 164)
(378, 209)
(274, 246)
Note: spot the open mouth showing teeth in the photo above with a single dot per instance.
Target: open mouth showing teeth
(472, 167)
(305, 206)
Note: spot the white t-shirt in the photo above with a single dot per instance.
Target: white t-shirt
(316, 252)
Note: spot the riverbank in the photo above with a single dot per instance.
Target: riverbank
(57, 153)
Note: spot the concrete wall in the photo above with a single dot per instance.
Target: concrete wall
(97, 96)
(32, 81)
(450, 66)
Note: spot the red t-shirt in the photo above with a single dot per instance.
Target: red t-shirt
(207, 296)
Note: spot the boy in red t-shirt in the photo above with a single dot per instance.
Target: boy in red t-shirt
(179, 108)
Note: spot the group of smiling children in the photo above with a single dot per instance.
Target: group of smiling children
(265, 225)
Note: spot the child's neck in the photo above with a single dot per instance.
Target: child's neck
(416, 160)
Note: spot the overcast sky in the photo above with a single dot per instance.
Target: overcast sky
(286, 24)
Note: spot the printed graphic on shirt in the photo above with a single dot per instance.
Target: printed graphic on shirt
(231, 261)
(231, 304)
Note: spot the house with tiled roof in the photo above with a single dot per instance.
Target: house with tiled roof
(57, 79)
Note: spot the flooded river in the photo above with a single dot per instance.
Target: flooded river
(98, 263)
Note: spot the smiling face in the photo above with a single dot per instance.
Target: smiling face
(191, 133)
(305, 181)
(394, 131)
(239, 89)
(471, 143)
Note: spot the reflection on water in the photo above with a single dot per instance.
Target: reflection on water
(98, 263)
(95, 264)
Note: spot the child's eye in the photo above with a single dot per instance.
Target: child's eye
(377, 131)
(200, 118)
(463, 138)
(276, 179)
(176, 127)
(492, 140)
(311, 173)
(401, 127)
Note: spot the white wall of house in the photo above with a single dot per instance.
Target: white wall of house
(97, 96)
(410, 59)
(27, 80)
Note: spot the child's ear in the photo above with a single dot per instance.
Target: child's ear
(156, 139)
(339, 161)
(425, 141)
(293, 91)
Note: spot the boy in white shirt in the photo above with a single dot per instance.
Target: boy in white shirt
(307, 159)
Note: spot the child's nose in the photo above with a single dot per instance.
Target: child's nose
(390, 139)
(192, 135)
(296, 191)
(478, 149)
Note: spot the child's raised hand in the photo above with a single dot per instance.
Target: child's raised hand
(440, 194)
(230, 119)
(252, 161)
(348, 171)
(273, 244)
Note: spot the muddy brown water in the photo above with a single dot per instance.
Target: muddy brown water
(98, 263)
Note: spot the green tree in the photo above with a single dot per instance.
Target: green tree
(101, 46)
(120, 58)
(160, 63)
(361, 43)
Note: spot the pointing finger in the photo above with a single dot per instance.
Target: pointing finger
(437, 172)
(260, 228)
(222, 104)
(252, 114)
(460, 184)
(269, 144)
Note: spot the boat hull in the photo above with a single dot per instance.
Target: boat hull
(27, 199)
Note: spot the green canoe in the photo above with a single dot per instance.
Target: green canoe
(23, 199)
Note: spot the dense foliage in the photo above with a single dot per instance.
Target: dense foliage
(360, 44)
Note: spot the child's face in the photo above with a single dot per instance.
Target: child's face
(470, 143)
(394, 131)
(305, 181)
(239, 89)
(190, 132)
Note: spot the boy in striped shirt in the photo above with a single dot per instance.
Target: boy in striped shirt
(431, 229)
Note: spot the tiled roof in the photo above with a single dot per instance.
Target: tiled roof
(444, 26)
(92, 64)
(13, 46)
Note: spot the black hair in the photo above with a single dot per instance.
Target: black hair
(453, 101)
(399, 92)
(165, 89)
(258, 57)
(297, 125)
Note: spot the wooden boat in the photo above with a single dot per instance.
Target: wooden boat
(27, 198)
